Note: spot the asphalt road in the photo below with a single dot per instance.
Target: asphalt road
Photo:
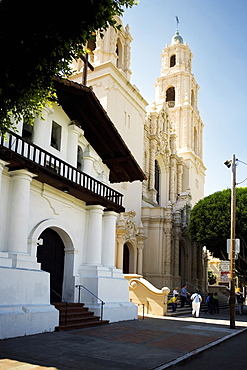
(228, 355)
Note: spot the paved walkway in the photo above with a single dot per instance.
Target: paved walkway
(152, 343)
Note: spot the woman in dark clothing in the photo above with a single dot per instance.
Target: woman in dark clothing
(210, 302)
(216, 302)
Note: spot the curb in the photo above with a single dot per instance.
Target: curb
(195, 352)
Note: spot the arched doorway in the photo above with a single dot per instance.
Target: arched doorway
(129, 258)
(51, 257)
(126, 259)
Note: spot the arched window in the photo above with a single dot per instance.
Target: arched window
(170, 96)
(173, 60)
(119, 52)
(157, 181)
(195, 141)
(193, 98)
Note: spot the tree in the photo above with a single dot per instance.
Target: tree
(210, 223)
(39, 40)
(211, 277)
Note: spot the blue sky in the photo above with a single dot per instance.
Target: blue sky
(216, 32)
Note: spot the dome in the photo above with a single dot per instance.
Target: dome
(177, 39)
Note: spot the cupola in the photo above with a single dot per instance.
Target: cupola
(177, 39)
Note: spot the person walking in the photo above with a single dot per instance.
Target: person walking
(184, 295)
(216, 303)
(196, 299)
(240, 301)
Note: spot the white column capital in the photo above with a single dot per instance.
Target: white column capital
(3, 164)
(95, 208)
(75, 129)
(22, 174)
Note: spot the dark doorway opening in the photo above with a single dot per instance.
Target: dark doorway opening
(51, 257)
(126, 259)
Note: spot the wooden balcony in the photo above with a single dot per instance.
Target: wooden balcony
(55, 172)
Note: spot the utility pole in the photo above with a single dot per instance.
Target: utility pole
(232, 245)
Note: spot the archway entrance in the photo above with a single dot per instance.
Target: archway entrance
(51, 257)
(126, 259)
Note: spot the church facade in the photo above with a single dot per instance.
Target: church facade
(100, 188)
(58, 214)
(168, 144)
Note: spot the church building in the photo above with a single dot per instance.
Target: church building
(99, 188)
(168, 144)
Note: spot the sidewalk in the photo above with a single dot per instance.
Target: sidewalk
(152, 343)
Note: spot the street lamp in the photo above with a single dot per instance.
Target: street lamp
(232, 164)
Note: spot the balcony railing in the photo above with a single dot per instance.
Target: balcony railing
(33, 154)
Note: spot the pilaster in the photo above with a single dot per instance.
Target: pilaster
(109, 238)
(94, 240)
(19, 211)
(72, 146)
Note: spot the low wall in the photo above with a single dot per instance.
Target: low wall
(149, 299)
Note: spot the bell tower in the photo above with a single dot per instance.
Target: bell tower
(178, 88)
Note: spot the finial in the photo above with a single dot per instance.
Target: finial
(177, 20)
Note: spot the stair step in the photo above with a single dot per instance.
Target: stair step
(81, 325)
(71, 306)
(75, 312)
(78, 319)
(76, 316)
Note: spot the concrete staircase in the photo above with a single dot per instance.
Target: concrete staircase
(187, 310)
(76, 316)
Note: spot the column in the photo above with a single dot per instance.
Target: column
(168, 240)
(72, 146)
(19, 211)
(194, 264)
(152, 165)
(88, 160)
(180, 177)
(172, 178)
(94, 236)
(109, 238)
(177, 225)
(121, 237)
(2, 165)
(140, 246)
(2, 209)
(120, 249)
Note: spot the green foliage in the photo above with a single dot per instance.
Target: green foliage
(38, 41)
(210, 224)
(211, 278)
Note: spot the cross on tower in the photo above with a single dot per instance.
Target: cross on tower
(86, 65)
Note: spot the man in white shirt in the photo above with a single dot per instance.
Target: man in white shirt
(196, 303)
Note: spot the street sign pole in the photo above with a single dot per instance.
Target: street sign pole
(232, 246)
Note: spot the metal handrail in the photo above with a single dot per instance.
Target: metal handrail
(79, 298)
(35, 154)
(140, 304)
(66, 304)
